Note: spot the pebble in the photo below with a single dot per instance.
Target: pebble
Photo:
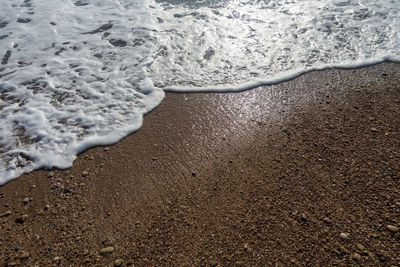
(56, 258)
(25, 201)
(327, 220)
(392, 228)
(85, 173)
(360, 247)
(118, 262)
(50, 174)
(344, 236)
(106, 250)
(54, 187)
(6, 214)
(356, 257)
(21, 219)
(374, 130)
(24, 255)
(373, 236)
(67, 190)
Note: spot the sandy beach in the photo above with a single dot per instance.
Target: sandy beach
(303, 173)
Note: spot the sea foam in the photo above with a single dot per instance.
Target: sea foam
(76, 74)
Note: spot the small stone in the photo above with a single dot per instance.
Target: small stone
(50, 174)
(374, 130)
(67, 190)
(21, 219)
(25, 201)
(344, 236)
(118, 262)
(54, 187)
(85, 173)
(327, 220)
(356, 257)
(344, 250)
(392, 228)
(24, 255)
(6, 214)
(304, 217)
(56, 258)
(360, 247)
(47, 207)
(107, 250)
(246, 246)
(130, 262)
(373, 236)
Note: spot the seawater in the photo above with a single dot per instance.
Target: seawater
(79, 73)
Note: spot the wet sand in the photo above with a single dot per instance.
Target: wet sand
(306, 172)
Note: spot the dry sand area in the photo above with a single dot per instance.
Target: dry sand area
(303, 173)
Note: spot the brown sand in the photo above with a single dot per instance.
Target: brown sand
(304, 173)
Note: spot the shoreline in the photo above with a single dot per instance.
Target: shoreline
(242, 88)
(274, 175)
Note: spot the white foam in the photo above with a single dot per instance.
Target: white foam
(81, 73)
(264, 42)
